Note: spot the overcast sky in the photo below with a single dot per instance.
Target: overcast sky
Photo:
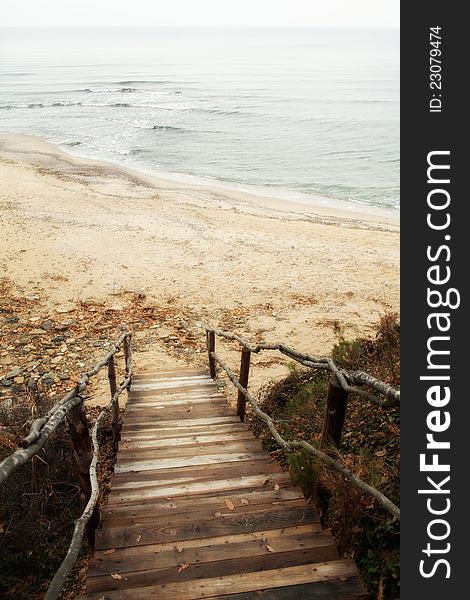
(320, 13)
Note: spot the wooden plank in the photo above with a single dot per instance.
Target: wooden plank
(216, 472)
(344, 588)
(172, 463)
(185, 371)
(209, 404)
(217, 512)
(185, 489)
(236, 583)
(188, 440)
(205, 409)
(190, 449)
(174, 423)
(170, 388)
(141, 558)
(164, 506)
(174, 378)
(188, 410)
(168, 403)
(140, 535)
(180, 432)
(218, 568)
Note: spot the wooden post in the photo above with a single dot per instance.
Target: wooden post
(113, 388)
(83, 452)
(335, 412)
(211, 348)
(128, 356)
(244, 372)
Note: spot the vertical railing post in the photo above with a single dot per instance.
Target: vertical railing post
(244, 373)
(128, 356)
(335, 413)
(211, 348)
(113, 388)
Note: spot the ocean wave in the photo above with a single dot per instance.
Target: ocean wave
(141, 82)
(122, 90)
(167, 128)
(56, 104)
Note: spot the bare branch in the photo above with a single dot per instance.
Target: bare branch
(344, 378)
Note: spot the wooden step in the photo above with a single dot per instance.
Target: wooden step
(197, 508)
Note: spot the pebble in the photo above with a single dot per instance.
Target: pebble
(7, 382)
(47, 325)
(12, 320)
(64, 308)
(13, 373)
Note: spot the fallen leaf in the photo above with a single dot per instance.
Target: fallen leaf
(276, 486)
(380, 453)
(270, 548)
(110, 551)
(245, 501)
(183, 567)
(116, 576)
(229, 504)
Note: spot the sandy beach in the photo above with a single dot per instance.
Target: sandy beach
(78, 230)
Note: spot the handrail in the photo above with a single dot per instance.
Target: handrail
(325, 363)
(340, 376)
(42, 428)
(70, 559)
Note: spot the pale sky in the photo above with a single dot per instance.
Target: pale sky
(309, 13)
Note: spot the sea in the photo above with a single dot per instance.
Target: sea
(289, 112)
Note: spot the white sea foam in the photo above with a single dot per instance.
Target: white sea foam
(301, 112)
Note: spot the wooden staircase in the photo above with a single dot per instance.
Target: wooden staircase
(198, 509)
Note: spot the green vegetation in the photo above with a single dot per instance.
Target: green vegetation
(370, 447)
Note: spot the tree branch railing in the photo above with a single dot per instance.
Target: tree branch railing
(342, 384)
(86, 447)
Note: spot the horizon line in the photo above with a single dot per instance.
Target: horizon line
(220, 26)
